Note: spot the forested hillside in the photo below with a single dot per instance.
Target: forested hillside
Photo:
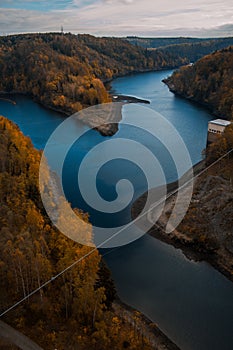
(209, 82)
(194, 51)
(161, 42)
(190, 49)
(66, 72)
(74, 310)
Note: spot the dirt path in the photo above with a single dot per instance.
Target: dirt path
(14, 337)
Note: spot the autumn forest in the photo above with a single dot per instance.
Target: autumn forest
(80, 309)
(67, 72)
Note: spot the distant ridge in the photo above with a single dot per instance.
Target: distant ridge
(188, 48)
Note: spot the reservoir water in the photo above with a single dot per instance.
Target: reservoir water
(191, 302)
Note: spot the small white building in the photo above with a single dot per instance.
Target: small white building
(216, 127)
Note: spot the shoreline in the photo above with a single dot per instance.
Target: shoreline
(34, 99)
(149, 70)
(204, 105)
(108, 128)
(149, 329)
(190, 248)
(8, 100)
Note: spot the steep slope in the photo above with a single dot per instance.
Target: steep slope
(206, 231)
(208, 222)
(32, 251)
(209, 82)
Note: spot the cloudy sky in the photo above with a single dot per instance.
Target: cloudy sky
(201, 18)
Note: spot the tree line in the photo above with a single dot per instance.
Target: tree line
(190, 49)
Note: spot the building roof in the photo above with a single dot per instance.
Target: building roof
(221, 122)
